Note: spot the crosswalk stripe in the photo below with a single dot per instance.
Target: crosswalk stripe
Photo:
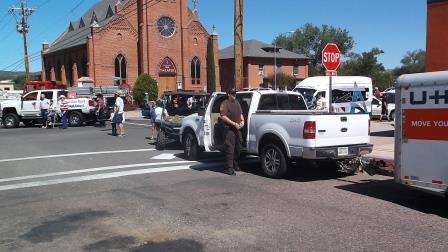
(74, 154)
(116, 167)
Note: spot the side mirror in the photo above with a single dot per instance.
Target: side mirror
(201, 111)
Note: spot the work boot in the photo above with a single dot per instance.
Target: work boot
(230, 172)
(114, 130)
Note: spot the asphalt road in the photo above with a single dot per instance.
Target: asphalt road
(81, 189)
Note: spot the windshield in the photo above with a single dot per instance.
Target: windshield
(308, 94)
(184, 104)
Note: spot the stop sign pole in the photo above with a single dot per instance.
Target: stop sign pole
(331, 59)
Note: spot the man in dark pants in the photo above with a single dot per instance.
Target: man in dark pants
(232, 117)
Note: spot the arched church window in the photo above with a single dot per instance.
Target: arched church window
(195, 71)
(120, 68)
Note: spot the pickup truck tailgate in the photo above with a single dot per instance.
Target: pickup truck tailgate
(341, 129)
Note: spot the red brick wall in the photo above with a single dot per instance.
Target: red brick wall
(437, 37)
(251, 73)
(120, 36)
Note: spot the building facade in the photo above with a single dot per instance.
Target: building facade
(258, 64)
(115, 41)
(437, 36)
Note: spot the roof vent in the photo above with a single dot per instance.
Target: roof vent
(81, 23)
(94, 18)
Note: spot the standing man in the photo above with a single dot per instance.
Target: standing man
(232, 117)
(44, 106)
(63, 105)
(118, 114)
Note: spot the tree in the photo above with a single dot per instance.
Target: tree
(283, 80)
(366, 64)
(20, 80)
(310, 41)
(145, 84)
(211, 76)
(412, 62)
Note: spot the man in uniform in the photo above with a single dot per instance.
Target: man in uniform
(232, 117)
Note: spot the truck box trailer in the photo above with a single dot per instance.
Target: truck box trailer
(421, 131)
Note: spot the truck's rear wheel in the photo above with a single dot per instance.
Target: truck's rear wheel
(191, 148)
(11, 121)
(392, 115)
(75, 119)
(273, 161)
(161, 140)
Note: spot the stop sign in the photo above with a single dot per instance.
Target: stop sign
(331, 57)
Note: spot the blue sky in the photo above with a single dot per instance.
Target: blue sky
(395, 26)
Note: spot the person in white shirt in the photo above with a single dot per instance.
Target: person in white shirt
(159, 112)
(118, 115)
(320, 104)
(44, 106)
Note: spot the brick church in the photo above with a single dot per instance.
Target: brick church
(117, 40)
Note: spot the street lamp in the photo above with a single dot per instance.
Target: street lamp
(275, 57)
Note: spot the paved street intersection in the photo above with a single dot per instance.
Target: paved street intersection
(83, 190)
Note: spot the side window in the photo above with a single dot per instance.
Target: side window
(375, 102)
(283, 103)
(61, 93)
(244, 100)
(48, 95)
(30, 97)
(217, 103)
(297, 102)
(268, 102)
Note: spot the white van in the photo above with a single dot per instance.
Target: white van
(421, 131)
(343, 88)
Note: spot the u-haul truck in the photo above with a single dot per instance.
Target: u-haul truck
(421, 131)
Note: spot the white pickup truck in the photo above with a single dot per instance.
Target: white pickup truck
(279, 128)
(27, 109)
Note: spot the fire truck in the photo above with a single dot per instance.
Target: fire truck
(42, 85)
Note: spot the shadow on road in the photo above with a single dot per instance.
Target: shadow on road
(385, 133)
(388, 190)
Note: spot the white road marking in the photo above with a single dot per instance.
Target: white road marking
(105, 168)
(166, 156)
(93, 177)
(139, 124)
(73, 154)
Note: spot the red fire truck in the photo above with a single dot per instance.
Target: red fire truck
(42, 85)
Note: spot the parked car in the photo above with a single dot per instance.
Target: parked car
(280, 126)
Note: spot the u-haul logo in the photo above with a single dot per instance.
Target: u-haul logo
(425, 97)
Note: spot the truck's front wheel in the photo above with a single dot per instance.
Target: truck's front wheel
(75, 119)
(191, 148)
(11, 121)
(273, 161)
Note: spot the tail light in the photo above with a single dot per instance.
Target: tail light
(91, 103)
(309, 130)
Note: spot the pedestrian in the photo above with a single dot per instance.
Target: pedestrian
(232, 117)
(377, 93)
(100, 110)
(63, 105)
(118, 115)
(160, 113)
(320, 103)
(383, 108)
(44, 106)
(153, 116)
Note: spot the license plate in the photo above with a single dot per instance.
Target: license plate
(342, 151)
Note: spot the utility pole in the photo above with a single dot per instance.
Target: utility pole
(238, 44)
(21, 14)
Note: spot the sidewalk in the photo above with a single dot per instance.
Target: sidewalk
(134, 114)
(382, 138)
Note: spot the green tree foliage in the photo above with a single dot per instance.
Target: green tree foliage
(145, 84)
(366, 64)
(283, 80)
(20, 80)
(310, 41)
(412, 62)
(211, 76)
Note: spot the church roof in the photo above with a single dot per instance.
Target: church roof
(77, 31)
(257, 49)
